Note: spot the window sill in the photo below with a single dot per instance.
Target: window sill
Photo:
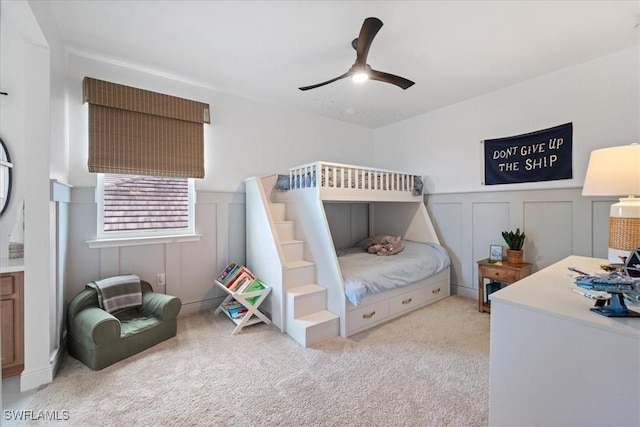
(137, 241)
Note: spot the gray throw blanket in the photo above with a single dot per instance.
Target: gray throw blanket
(118, 293)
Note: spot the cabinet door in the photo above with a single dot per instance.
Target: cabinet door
(11, 289)
(8, 328)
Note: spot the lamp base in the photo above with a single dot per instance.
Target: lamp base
(624, 229)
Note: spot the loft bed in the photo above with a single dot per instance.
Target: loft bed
(339, 181)
(393, 205)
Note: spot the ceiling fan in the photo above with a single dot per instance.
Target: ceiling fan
(360, 70)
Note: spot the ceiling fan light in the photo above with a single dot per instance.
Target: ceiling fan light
(360, 77)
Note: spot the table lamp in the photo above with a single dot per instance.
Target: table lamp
(615, 171)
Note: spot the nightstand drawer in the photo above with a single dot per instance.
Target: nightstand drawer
(500, 275)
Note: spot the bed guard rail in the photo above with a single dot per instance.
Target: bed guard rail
(336, 175)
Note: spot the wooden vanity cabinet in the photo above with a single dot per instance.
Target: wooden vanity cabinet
(12, 322)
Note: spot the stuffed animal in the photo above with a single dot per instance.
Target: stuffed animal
(384, 245)
(374, 248)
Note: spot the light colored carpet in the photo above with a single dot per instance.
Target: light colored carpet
(428, 368)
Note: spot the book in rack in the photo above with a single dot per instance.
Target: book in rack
(245, 294)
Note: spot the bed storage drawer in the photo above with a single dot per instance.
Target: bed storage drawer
(437, 291)
(408, 301)
(367, 315)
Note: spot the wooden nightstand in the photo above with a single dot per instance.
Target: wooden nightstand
(502, 272)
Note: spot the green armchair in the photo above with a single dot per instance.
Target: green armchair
(99, 339)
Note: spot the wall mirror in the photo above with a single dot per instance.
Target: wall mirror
(5, 177)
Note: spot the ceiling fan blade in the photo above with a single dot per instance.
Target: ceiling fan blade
(370, 28)
(390, 78)
(347, 74)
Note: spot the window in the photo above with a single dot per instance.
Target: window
(146, 148)
(144, 206)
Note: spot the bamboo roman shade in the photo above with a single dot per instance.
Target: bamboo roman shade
(135, 131)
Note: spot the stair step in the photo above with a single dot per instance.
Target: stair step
(278, 211)
(314, 328)
(317, 317)
(300, 272)
(305, 289)
(301, 263)
(293, 250)
(286, 229)
(306, 299)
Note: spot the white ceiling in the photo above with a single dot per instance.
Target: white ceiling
(453, 50)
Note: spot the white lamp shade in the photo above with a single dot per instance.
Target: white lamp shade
(613, 171)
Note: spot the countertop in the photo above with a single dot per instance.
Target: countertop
(549, 291)
(11, 265)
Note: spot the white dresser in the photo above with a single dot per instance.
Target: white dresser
(554, 362)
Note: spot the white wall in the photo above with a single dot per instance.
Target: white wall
(557, 223)
(44, 124)
(189, 266)
(54, 157)
(26, 126)
(58, 146)
(600, 97)
(12, 116)
(245, 138)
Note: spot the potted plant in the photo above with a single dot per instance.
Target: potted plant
(515, 241)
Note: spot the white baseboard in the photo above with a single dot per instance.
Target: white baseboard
(463, 291)
(198, 306)
(31, 379)
(59, 355)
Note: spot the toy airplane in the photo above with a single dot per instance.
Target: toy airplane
(615, 284)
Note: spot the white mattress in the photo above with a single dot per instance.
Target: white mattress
(367, 274)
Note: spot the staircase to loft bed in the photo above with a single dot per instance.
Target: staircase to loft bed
(297, 258)
(298, 304)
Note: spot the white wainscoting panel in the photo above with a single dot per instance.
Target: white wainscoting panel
(189, 267)
(489, 220)
(359, 222)
(558, 223)
(60, 197)
(83, 264)
(447, 220)
(348, 222)
(237, 231)
(145, 261)
(339, 220)
(110, 263)
(549, 234)
(196, 263)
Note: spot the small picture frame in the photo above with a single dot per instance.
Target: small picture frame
(495, 253)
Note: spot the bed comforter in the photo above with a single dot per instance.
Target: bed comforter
(367, 274)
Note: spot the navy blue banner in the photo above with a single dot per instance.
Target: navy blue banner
(545, 155)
